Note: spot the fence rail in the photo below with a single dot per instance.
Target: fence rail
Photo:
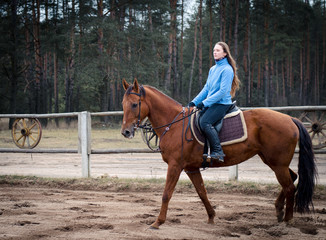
(84, 135)
(59, 115)
(120, 113)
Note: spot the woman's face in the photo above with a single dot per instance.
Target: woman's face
(218, 52)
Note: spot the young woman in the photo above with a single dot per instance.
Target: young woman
(215, 97)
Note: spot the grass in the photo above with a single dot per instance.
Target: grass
(155, 184)
(67, 137)
(122, 184)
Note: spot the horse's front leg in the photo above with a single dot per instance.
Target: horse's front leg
(197, 180)
(171, 181)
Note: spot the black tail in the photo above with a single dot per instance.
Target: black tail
(306, 170)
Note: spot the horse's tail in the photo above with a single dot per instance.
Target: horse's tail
(306, 170)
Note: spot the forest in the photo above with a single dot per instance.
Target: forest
(71, 55)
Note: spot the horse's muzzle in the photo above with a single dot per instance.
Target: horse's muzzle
(128, 133)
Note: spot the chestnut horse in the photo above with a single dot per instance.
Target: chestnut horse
(271, 135)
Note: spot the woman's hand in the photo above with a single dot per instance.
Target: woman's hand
(191, 104)
(200, 105)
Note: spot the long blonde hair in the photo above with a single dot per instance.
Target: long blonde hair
(236, 81)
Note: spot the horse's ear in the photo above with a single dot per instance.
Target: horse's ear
(136, 86)
(125, 84)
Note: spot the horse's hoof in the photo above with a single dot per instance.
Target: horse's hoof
(154, 226)
(280, 216)
(210, 221)
(290, 223)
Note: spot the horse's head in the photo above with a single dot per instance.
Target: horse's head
(134, 108)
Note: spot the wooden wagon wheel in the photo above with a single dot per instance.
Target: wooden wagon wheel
(315, 123)
(26, 132)
(149, 135)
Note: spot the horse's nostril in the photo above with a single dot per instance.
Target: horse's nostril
(126, 133)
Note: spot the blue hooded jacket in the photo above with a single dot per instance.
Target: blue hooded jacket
(218, 85)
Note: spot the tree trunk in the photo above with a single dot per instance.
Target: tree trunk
(230, 18)
(283, 83)
(316, 85)
(222, 20)
(323, 66)
(271, 75)
(55, 83)
(12, 74)
(193, 60)
(266, 47)
(287, 84)
(278, 99)
(307, 72)
(210, 33)
(104, 94)
(129, 38)
(200, 45)
(150, 22)
(46, 86)
(55, 86)
(236, 29)
(246, 68)
(258, 65)
(181, 53)
(108, 70)
(301, 76)
(100, 30)
(323, 70)
(79, 54)
(70, 62)
(37, 54)
(290, 71)
(56, 70)
(175, 65)
(173, 15)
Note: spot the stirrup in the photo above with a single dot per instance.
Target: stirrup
(209, 157)
(219, 158)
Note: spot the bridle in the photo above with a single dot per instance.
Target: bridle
(149, 127)
(168, 125)
(139, 105)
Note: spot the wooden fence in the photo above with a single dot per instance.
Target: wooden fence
(84, 135)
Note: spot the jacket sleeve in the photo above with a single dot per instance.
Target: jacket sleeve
(201, 95)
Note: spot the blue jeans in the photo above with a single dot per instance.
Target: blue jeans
(212, 115)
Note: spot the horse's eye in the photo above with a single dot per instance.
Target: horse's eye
(134, 105)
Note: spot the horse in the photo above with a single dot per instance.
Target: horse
(271, 135)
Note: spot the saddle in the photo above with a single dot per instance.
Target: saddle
(232, 128)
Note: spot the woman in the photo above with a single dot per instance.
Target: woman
(215, 97)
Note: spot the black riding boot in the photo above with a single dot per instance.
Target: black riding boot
(214, 142)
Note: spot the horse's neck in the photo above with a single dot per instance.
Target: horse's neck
(162, 110)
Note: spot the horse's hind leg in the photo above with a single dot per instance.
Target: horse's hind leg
(197, 180)
(285, 177)
(280, 201)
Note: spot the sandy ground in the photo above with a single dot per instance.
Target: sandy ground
(55, 213)
(40, 212)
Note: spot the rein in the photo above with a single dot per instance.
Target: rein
(168, 125)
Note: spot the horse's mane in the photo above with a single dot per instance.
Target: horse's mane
(163, 94)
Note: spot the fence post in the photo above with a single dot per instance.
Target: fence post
(233, 173)
(84, 137)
